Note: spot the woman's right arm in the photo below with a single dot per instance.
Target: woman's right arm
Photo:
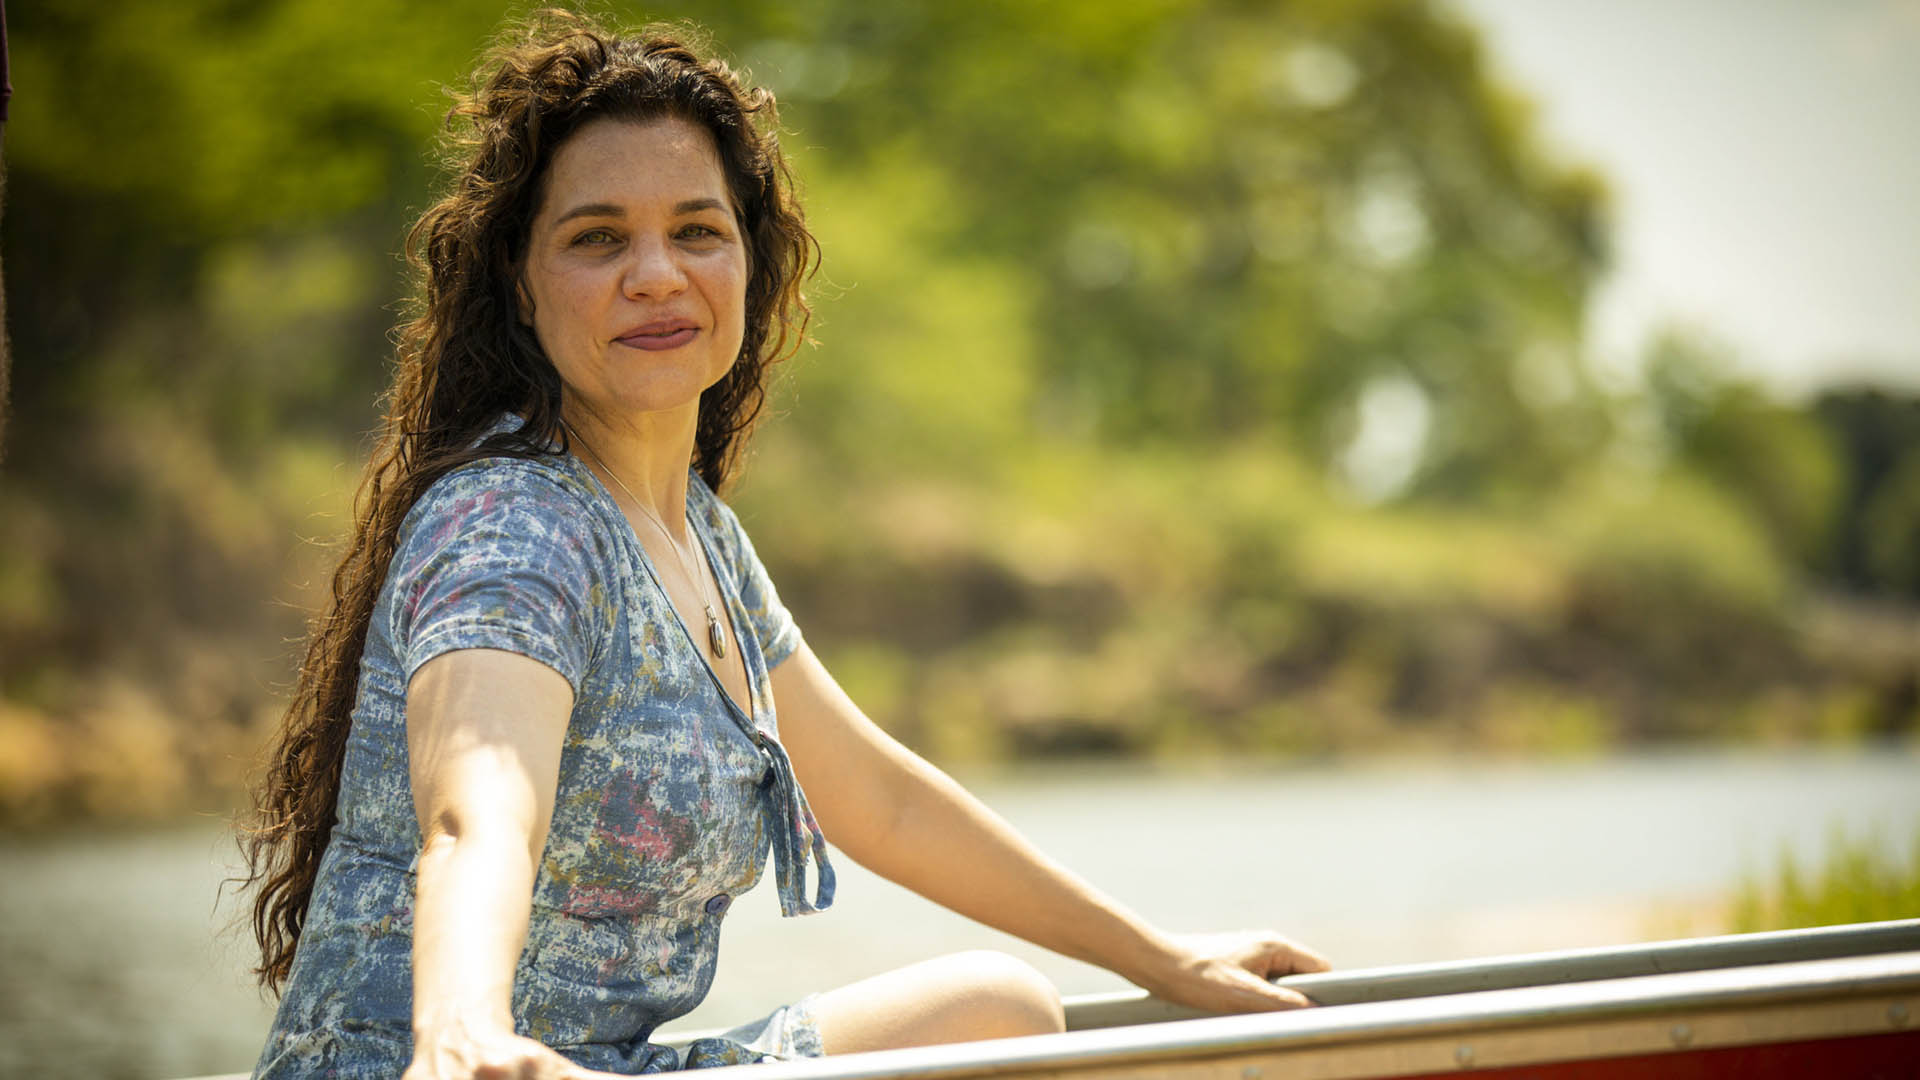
(484, 733)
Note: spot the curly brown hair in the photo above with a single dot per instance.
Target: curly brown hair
(464, 358)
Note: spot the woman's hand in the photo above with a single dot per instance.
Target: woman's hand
(461, 1052)
(1228, 973)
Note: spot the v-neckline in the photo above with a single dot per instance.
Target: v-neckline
(748, 713)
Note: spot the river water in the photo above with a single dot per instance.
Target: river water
(113, 961)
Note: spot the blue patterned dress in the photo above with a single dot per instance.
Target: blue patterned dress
(669, 794)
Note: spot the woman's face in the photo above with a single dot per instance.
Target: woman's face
(636, 272)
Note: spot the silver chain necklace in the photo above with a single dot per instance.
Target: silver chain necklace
(716, 638)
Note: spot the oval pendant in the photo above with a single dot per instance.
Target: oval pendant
(715, 637)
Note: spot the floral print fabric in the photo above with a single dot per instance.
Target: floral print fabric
(669, 795)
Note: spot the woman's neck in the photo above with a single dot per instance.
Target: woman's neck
(644, 457)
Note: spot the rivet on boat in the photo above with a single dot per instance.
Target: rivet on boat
(1682, 1034)
(1897, 1015)
(1463, 1054)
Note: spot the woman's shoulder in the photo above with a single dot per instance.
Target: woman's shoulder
(547, 478)
(539, 499)
(511, 480)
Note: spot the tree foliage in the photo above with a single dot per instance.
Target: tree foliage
(1110, 291)
(1209, 219)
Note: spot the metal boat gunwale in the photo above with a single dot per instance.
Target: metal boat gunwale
(1131, 1007)
(1895, 977)
(1533, 969)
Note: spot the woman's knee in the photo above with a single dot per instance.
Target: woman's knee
(955, 998)
(1009, 997)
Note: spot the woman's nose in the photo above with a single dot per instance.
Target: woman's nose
(652, 270)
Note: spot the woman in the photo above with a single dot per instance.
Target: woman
(534, 753)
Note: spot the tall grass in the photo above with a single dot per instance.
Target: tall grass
(1859, 882)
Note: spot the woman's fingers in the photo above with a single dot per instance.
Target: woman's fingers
(496, 1056)
(1283, 997)
(1288, 998)
(1265, 953)
(1230, 972)
(1295, 958)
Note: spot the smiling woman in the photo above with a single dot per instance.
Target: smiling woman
(516, 795)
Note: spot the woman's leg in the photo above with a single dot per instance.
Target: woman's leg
(958, 998)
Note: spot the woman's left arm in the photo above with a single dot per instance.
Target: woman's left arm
(907, 821)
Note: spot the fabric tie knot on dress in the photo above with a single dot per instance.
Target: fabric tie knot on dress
(795, 835)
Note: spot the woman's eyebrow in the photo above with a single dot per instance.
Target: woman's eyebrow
(600, 209)
(694, 206)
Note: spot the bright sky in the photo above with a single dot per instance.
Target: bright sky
(1764, 159)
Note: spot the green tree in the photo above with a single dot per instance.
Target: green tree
(1876, 535)
(1209, 218)
(1778, 460)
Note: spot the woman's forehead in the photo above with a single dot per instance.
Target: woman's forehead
(668, 162)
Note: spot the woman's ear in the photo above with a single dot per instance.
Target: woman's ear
(523, 300)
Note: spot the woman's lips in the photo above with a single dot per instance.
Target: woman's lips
(657, 338)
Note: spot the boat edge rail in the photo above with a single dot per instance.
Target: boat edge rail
(1398, 1002)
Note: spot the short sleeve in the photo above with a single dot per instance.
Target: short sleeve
(500, 556)
(779, 636)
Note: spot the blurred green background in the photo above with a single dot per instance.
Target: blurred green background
(1191, 378)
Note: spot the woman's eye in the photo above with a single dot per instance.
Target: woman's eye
(594, 236)
(699, 232)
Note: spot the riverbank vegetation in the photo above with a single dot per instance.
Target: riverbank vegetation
(1187, 378)
(1861, 880)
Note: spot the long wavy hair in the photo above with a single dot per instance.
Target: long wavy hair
(464, 358)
